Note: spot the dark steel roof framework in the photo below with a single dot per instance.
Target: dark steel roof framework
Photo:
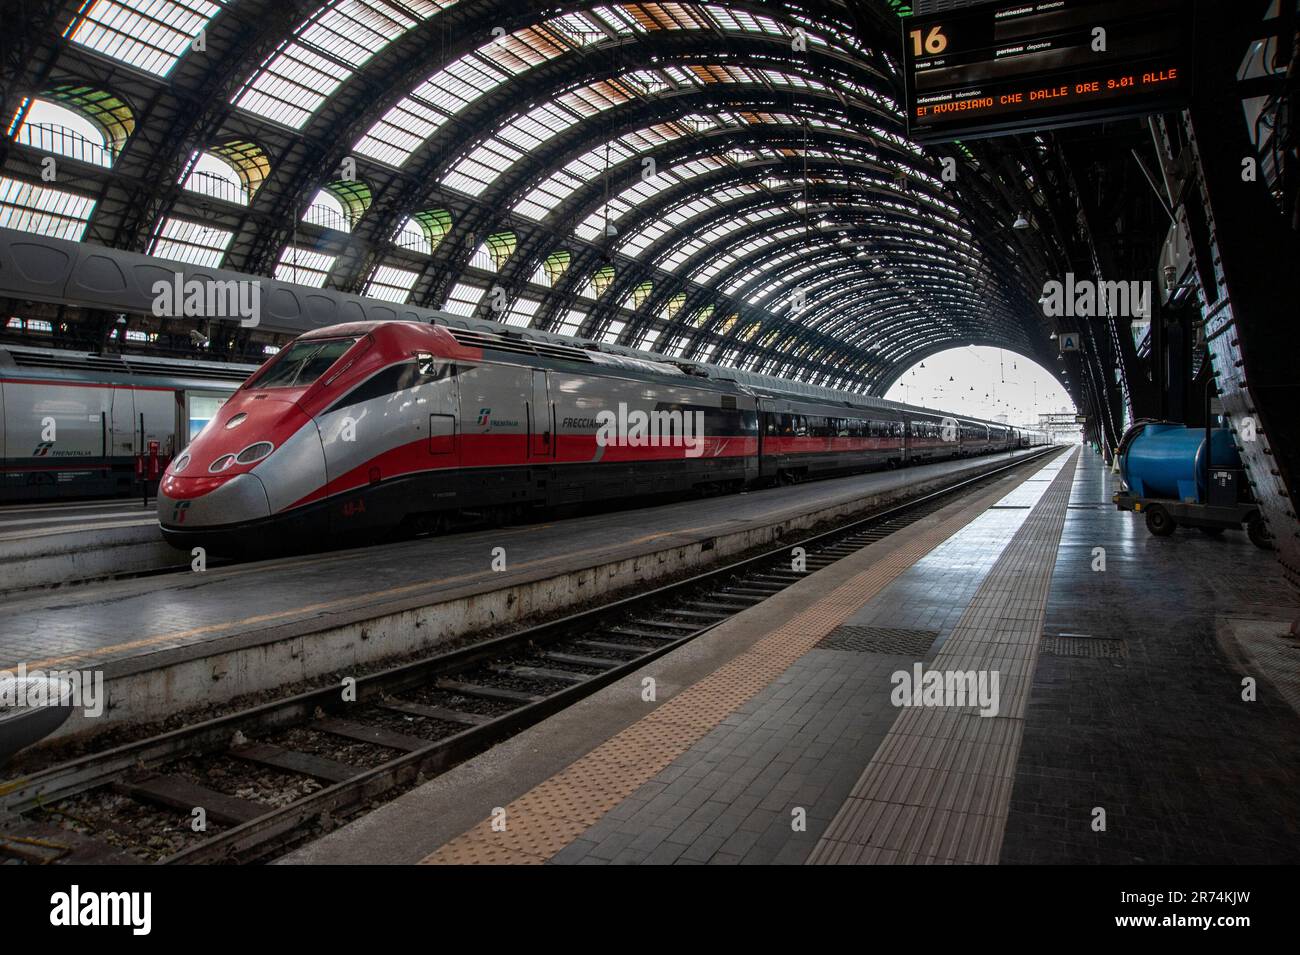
(789, 226)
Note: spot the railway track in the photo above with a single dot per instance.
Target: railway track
(249, 785)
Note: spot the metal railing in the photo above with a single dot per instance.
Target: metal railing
(324, 216)
(209, 184)
(52, 138)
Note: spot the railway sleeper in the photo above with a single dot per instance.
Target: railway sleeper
(443, 713)
(637, 648)
(176, 792)
(537, 673)
(487, 692)
(379, 735)
(600, 663)
(292, 761)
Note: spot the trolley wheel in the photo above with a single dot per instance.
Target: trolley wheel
(1160, 522)
(1211, 531)
(1258, 533)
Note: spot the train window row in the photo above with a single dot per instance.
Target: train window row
(823, 426)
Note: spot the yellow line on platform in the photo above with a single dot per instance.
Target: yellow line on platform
(552, 814)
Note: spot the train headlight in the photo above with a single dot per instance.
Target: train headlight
(236, 420)
(181, 463)
(255, 452)
(221, 463)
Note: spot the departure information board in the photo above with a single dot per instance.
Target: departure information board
(1006, 67)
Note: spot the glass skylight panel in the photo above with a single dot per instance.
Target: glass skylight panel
(391, 284)
(191, 242)
(400, 131)
(571, 322)
(560, 185)
(463, 299)
(702, 241)
(676, 346)
(416, 117)
(592, 227)
(324, 52)
(522, 311)
(40, 210)
(564, 182)
(743, 22)
(473, 174)
(150, 35)
(304, 266)
(646, 237)
(619, 22)
(613, 331)
(292, 86)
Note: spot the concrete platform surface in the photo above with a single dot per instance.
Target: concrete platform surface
(126, 625)
(1120, 735)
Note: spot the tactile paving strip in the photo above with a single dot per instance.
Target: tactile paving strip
(552, 814)
(879, 640)
(938, 789)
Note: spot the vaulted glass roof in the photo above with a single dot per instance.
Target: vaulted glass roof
(724, 180)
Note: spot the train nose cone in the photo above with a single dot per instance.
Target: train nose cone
(192, 504)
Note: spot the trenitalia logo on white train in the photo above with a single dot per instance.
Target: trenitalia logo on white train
(208, 298)
(651, 429)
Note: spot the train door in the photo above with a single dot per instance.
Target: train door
(541, 419)
(768, 446)
(444, 443)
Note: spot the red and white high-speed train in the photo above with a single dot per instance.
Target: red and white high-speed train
(360, 427)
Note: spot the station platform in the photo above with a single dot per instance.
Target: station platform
(56, 517)
(52, 544)
(1120, 730)
(264, 625)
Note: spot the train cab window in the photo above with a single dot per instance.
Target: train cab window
(302, 363)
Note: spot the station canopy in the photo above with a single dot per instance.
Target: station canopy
(722, 182)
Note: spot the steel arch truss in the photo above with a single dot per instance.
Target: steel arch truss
(795, 229)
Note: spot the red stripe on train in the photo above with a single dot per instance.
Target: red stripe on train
(507, 450)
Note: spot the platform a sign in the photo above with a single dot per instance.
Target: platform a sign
(999, 68)
(1069, 342)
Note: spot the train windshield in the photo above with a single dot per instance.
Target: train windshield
(302, 363)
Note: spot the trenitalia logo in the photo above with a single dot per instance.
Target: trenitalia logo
(179, 510)
(487, 422)
(653, 429)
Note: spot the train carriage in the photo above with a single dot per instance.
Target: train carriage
(369, 425)
(72, 424)
(365, 426)
(802, 439)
